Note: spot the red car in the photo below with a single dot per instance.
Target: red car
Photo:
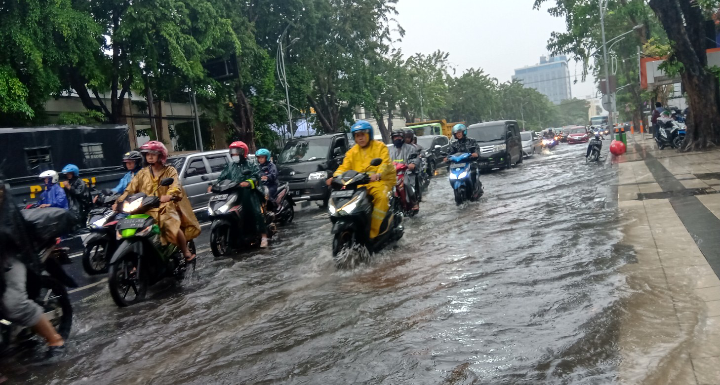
(578, 135)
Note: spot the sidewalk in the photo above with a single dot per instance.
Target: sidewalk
(670, 204)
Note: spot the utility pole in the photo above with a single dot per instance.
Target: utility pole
(197, 122)
(611, 119)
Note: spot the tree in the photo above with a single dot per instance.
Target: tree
(471, 97)
(683, 22)
(430, 75)
(572, 112)
(39, 38)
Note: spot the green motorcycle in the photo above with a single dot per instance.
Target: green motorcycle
(141, 260)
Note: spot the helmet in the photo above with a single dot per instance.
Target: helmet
(263, 152)
(239, 148)
(50, 174)
(135, 156)
(459, 127)
(71, 168)
(360, 126)
(397, 132)
(155, 147)
(409, 133)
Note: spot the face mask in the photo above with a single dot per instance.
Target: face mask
(235, 159)
(398, 143)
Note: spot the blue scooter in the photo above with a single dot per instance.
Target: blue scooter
(459, 176)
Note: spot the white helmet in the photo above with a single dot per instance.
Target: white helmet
(50, 174)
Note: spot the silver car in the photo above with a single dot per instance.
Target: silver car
(530, 143)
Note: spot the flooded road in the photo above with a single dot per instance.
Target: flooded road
(519, 288)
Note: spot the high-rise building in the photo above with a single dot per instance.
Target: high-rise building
(551, 78)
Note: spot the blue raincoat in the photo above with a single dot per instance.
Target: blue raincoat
(124, 182)
(54, 195)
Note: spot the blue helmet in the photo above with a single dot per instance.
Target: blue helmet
(263, 152)
(362, 125)
(71, 168)
(459, 127)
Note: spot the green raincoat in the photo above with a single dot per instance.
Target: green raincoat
(249, 198)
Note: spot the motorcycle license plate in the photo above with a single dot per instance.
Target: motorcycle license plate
(220, 197)
(342, 194)
(458, 165)
(133, 223)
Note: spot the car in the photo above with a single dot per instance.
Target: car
(499, 144)
(307, 162)
(578, 134)
(530, 143)
(434, 146)
(197, 170)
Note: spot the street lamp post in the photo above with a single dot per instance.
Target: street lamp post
(282, 75)
(605, 61)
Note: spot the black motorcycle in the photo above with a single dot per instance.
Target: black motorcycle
(141, 260)
(48, 287)
(595, 146)
(282, 205)
(101, 243)
(229, 230)
(351, 209)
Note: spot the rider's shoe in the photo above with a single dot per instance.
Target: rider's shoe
(264, 243)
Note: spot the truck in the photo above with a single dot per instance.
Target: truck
(28, 151)
(433, 127)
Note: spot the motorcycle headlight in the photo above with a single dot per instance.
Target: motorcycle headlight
(129, 207)
(100, 222)
(453, 176)
(225, 207)
(499, 147)
(331, 207)
(320, 175)
(462, 175)
(351, 206)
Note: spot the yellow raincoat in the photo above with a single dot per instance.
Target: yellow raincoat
(170, 216)
(358, 159)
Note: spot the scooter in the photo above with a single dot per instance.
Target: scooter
(403, 204)
(350, 206)
(48, 287)
(460, 178)
(670, 134)
(595, 148)
(101, 243)
(228, 231)
(141, 260)
(282, 205)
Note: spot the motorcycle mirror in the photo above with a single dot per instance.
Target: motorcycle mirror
(167, 182)
(376, 162)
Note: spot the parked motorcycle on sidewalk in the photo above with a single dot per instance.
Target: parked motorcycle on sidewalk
(101, 243)
(141, 260)
(48, 288)
(670, 133)
(229, 232)
(351, 208)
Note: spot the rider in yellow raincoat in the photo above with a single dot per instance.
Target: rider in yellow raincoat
(382, 177)
(178, 223)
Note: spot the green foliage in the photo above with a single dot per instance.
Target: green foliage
(77, 118)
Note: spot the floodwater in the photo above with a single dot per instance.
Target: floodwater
(519, 288)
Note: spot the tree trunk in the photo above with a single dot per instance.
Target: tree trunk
(381, 126)
(324, 122)
(389, 125)
(243, 123)
(683, 23)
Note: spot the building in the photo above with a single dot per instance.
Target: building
(551, 78)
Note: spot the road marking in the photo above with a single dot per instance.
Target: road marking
(88, 286)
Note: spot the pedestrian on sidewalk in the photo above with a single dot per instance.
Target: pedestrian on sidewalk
(654, 119)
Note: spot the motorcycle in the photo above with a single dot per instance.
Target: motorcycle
(282, 205)
(351, 208)
(101, 243)
(228, 232)
(459, 177)
(670, 133)
(596, 147)
(141, 260)
(403, 204)
(48, 287)
(549, 143)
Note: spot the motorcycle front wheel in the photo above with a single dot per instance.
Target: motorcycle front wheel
(94, 259)
(220, 240)
(127, 281)
(345, 254)
(459, 194)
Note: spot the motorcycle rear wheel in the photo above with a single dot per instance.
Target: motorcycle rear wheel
(678, 141)
(123, 280)
(220, 241)
(94, 259)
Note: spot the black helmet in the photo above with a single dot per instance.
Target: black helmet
(409, 133)
(397, 132)
(135, 156)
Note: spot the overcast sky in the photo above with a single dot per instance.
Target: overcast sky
(495, 35)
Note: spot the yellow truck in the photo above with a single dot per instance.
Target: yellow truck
(433, 127)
